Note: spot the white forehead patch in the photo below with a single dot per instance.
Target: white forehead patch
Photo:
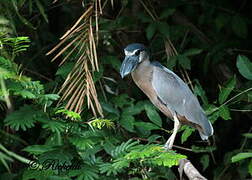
(128, 53)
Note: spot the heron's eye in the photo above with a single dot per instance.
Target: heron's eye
(137, 52)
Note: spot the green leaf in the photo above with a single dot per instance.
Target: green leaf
(127, 122)
(241, 156)
(86, 173)
(38, 149)
(204, 160)
(134, 110)
(184, 62)
(214, 116)
(226, 90)
(224, 112)
(221, 21)
(112, 60)
(166, 13)
(250, 167)
(29, 174)
(146, 126)
(25, 94)
(122, 149)
(198, 90)
(163, 28)
(82, 143)
(186, 133)
(47, 99)
(8, 65)
(100, 123)
(54, 125)
(193, 51)
(153, 114)
(41, 10)
(108, 146)
(153, 138)
(23, 20)
(172, 61)
(248, 135)
(109, 108)
(239, 26)
(150, 30)
(122, 100)
(154, 155)
(70, 114)
(65, 69)
(23, 118)
(244, 66)
(60, 155)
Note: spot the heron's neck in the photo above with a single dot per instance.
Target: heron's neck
(142, 71)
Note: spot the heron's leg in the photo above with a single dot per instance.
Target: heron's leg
(170, 141)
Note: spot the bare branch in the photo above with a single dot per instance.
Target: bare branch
(190, 171)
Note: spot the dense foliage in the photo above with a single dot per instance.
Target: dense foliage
(67, 114)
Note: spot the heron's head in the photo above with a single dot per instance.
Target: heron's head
(134, 55)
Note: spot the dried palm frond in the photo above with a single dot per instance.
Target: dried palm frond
(80, 40)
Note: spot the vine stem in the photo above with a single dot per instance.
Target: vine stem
(5, 93)
(249, 89)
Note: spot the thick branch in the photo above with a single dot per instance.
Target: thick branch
(191, 172)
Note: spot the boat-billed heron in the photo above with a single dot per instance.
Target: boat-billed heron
(166, 91)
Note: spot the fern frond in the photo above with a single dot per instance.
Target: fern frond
(109, 169)
(82, 143)
(54, 126)
(85, 173)
(154, 154)
(70, 114)
(100, 123)
(8, 65)
(17, 44)
(123, 148)
(28, 114)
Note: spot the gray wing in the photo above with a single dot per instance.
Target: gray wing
(178, 98)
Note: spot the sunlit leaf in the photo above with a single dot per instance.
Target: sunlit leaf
(248, 135)
(127, 121)
(191, 52)
(226, 90)
(224, 112)
(153, 114)
(186, 134)
(38, 149)
(241, 156)
(244, 66)
(250, 167)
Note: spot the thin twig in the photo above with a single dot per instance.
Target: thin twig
(38, 74)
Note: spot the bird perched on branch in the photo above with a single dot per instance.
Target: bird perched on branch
(166, 91)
